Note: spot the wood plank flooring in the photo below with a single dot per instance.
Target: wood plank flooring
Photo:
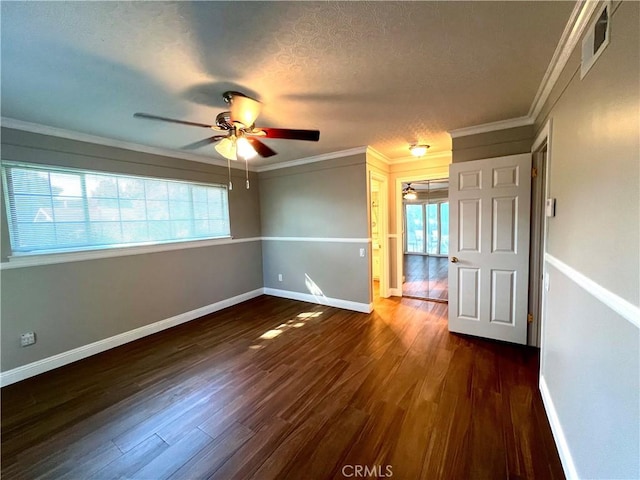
(279, 389)
(426, 277)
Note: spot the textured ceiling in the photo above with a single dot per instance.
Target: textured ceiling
(383, 74)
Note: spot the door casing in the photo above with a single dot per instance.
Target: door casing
(436, 174)
(542, 143)
(383, 229)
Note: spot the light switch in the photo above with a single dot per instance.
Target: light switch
(550, 207)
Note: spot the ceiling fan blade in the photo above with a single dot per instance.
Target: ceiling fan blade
(172, 120)
(291, 134)
(204, 142)
(262, 149)
(244, 110)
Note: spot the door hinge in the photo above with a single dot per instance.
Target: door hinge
(534, 172)
(530, 318)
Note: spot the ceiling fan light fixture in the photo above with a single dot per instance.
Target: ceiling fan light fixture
(238, 122)
(227, 148)
(409, 193)
(244, 110)
(244, 149)
(418, 149)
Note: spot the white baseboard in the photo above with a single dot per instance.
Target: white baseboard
(321, 300)
(395, 292)
(558, 434)
(64, 358)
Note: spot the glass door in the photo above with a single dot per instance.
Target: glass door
(414, 217)
(426, 248)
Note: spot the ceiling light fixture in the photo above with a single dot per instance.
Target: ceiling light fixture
(234, 147)
(418, 149)
(244, 149)
(227, 148)
(409, 193)
(244, 110)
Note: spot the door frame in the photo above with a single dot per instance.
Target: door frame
(437, 175)
(538, 247)
(383, 229)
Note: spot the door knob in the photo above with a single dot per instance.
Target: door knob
(454, 259)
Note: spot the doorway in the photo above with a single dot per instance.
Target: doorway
(425, 209)
(378, 233)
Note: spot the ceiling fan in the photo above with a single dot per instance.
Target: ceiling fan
(240, 138)
(409, 193)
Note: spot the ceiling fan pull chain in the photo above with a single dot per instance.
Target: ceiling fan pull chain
(229, 168)
(246, 165)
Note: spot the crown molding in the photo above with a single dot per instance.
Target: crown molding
(13, 123)
(448, 154)
(7, 122)
(378, 155)
(491, 127)
(314, 159)
(409, 158)
(573, 30)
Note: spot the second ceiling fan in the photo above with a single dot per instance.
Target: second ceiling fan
(241, 137)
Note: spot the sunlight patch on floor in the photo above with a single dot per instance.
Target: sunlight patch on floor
(269, 334)
(296, 322)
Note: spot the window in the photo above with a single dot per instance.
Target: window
(427, 227)
(58, 209)
(415, 228)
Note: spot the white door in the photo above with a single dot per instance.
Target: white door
(489, 202)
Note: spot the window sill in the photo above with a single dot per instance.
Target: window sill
(39, 259)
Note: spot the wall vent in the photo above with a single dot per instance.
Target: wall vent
(596, 38)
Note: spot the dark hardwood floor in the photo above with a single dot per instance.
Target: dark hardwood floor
(279, 389)
(426, 277)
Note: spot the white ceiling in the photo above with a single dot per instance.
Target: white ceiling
(383, 74)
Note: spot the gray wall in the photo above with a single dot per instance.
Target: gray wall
(321, 200)
(591, 368)
(73, 304)
(499, 143)
(591, 354)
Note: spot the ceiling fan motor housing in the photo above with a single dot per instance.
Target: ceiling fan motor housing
(223, 120)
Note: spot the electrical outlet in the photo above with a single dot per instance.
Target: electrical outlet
(279, 277)
(27, 339)
(362, 252)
